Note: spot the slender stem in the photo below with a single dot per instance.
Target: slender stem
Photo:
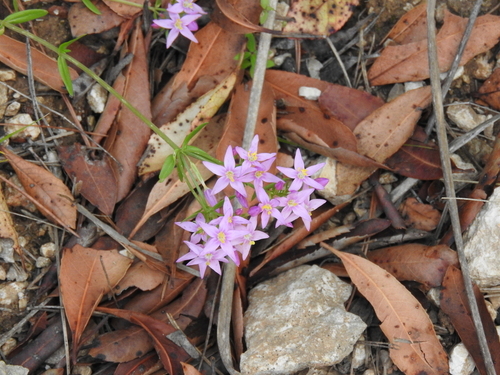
(98, 79)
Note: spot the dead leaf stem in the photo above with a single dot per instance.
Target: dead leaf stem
(437, 98)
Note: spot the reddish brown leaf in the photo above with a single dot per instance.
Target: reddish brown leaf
(381, 134)
(190, 370)
(412, 27)
(140, 276)
(125, 10)
(414, 346)
(418, 160)
(145, 364)
(305, 113)
(409, 62)
(52, 196)
(95, 176)
(8, 233)
(207, 64)
(83, 21)
(236, 119)
(170, 354)
(455, 304)
(125, 345)
(13, 54)
(348, 105)
(239, 16)
(420, 215)
(129, 135)
(424, 264)
(489, 92)
(86, 275)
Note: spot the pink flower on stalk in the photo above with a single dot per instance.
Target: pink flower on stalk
(293, 206)
(251, 157)
(259, 174)
(310, 205)
(267, 208)
(204, 256)
(186, 6)
(301, 174)
(178, 25)
(250, 237)
(223, 236)
(195, 228)
(228, 174)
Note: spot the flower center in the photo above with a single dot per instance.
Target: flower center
(267, 207)
(178, 24)
(259, 174)
(230, 176)
(302, 173)
(187, 4)
(221, 236)
(291, 203)
(252, 156)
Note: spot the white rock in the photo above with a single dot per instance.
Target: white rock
(12, 370)
(48, 250)
(7, 75)
(482, 244)
(296, 321)
(465, 117)
(314, 67)
(413, 85)
(12, 109)
(359, 353)
(19, 121)
(42, 262)
(11, 293)
(97, 97)
(461, 362)
(309, 93)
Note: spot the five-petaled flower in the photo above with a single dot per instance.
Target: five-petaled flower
(300, 174)
(178, 25)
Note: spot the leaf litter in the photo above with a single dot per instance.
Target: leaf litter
(359, 132)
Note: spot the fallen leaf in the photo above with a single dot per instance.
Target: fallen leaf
(207, 64)
(489, 92)
(127, 344)
(86, 275)
(125, 10)
(381, 134)
(348, 105)
(8, 234)
(409, 62)
(319, 17)
(95, 176)
(52, 195)
(414, 347)
(129, 135)
(412, 27)
(140, 276)
(455, 304)
(83, 21)
(148, 363)
(385, 201)
(200, 111)
(424, 264)
(189, 370)
(306, 113)
(13, 54)
(419, 215)
(239, 16)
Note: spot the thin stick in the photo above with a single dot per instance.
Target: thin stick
(437, 98)
(339, 60)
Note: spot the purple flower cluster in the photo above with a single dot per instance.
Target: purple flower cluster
(181, 20)
(230, 235)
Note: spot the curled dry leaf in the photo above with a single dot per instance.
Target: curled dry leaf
(8, 234)
(381, 134)
(409, 62)
(414, 346)
(207, 64)
(51, 195)
(95, 176)
(140, 276)
(412, 27)
(83, 21)
(13, 54)
(419, 215)
(86, 275)
(455, 304)
(489, 92)
(319, 17)
(424, 264)
(200, 111)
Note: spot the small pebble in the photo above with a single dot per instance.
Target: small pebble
(48, 250)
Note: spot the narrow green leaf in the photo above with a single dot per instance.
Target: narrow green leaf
(251, 44)
(25, 16)
(62, 65)
(91, 7)
(198, 153)
(167, 167)
(193, 133)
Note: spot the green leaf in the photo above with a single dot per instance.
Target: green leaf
(270, 64)
(25, 16)
(167, 167)
(251, 44)
(91, 7)
(62, 65)
(7, 136)
(193, 133)
(198, 153)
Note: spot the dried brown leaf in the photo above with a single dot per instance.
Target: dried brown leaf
(125, 10)
(412, 27)
(420, 215)
(83, 21)
(414, 346)
(8, 233)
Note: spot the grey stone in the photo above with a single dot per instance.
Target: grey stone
(296, 321)
(482, 244)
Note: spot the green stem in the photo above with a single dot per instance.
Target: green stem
(98, 79)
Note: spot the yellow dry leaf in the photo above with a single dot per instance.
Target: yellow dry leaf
(319, 17)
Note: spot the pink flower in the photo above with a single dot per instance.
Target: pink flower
(223, 236)
(250, 237)
(228, 174)
(301, 174)
(204, 256)
(195, 228)
(259, 174)
(267, 207)
(185, 6)
(251, 157)
(178, 25)
(293, 206)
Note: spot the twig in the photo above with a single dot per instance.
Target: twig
(227, 289)
(437, 98)
(339, 60)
